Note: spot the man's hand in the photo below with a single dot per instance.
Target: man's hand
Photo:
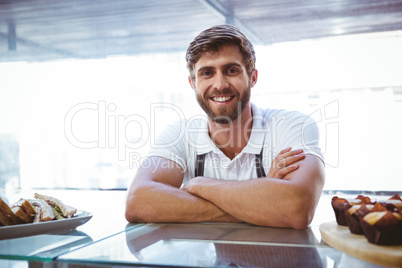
(285, 163)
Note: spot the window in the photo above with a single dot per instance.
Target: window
(88, 123)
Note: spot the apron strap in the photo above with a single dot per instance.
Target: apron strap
(199, 165)
(258, 165)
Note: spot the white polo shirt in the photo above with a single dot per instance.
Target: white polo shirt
(272, 131)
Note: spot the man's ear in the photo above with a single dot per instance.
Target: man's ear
(254, 77)
(192, 82)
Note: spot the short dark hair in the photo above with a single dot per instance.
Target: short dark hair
(212, 39)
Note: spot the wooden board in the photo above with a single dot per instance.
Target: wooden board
(357, 246)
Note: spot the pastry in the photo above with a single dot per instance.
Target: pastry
(383, 227)
(357, 212)
(340, 205)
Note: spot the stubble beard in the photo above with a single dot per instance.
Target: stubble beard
(225, 115)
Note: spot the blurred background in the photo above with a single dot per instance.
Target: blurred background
(85, 86)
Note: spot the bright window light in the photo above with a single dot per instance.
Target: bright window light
(88, 123)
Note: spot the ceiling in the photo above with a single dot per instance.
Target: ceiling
(41, 30)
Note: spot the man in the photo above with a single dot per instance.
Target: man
(216, 170)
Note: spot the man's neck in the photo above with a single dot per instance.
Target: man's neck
(232, 138)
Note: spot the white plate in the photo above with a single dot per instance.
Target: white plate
(28, 229)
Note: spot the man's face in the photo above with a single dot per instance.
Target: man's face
(222, 84)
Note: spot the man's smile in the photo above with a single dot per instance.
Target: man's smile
(222, 98)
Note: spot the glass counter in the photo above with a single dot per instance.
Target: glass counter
(108, 240)
(212, 245)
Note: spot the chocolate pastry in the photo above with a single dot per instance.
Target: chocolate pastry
(341, 205)
(383, 227)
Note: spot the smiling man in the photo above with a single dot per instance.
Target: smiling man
(242, 163)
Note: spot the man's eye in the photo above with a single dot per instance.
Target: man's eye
(232, 71)
(206, 73)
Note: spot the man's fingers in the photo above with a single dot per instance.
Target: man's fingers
(283, 162)
(292, 159)
(285, 171)
(285, 150)
(290, 153)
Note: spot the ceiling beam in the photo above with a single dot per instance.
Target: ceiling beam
(13, 40)
(230, 18)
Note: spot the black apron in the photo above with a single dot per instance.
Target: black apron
(199, 165)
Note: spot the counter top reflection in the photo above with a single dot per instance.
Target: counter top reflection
(207, 245)
(108, 240)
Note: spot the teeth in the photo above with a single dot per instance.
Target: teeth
(221, 99)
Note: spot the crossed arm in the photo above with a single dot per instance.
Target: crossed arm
(287, 197)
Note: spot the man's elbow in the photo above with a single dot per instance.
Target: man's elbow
(302, 220)
(132, 216)
(302, 214)
(136, 212)
(296, 217)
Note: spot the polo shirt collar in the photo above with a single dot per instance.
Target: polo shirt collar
(256, 140)
(204, 143)
(254, 145)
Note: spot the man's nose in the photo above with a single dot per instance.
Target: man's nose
(220, 81)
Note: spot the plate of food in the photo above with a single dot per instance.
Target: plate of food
(42, 214)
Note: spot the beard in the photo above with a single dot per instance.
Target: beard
(228, 114)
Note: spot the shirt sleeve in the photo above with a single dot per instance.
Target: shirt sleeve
(298, 131)
(170, 144)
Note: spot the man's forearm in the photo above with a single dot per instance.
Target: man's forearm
(261, 202)
(287, 202)
(157, 202)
